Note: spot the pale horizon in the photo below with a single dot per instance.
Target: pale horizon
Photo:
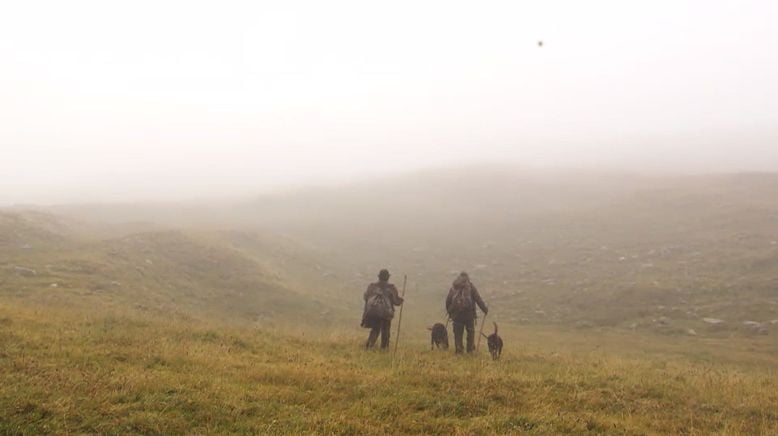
(103, 102)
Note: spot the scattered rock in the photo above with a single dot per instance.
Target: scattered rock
(148, 261)
(663, 320)
(54, 285)
(756, 328)
(713, 321)
(115, 283)
(26, 272)
(691, 332)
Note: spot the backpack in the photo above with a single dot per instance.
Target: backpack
(378, 306)
(462, 300)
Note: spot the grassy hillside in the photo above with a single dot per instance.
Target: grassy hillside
(30, 232)
(628, 304)
(576, 249)
(569, 249)
(166, 272)
(66, 372)
(658, 254)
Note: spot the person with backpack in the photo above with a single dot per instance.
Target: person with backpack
(460, 305)
(380, 299)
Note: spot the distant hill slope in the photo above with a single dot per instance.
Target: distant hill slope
(571, 248)
(30, 231)
(578, 249)
(165, 272)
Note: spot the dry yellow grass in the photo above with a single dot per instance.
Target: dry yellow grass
(74, 372)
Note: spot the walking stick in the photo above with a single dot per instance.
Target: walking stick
(481, 332)
(400, 318)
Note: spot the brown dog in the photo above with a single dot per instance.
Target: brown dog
(494, 342)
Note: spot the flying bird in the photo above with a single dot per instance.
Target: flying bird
(540, 43)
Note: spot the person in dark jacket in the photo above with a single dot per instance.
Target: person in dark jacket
(460, 305)
(380, 323)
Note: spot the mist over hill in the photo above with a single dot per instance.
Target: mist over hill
(573, 248)
(570, 248)
(223, 276)
(628, 303)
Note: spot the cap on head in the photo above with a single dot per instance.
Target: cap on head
(383, 274)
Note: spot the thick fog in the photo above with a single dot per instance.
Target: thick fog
(105, 101)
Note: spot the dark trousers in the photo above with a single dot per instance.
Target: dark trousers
(383, 327)
(459, 327)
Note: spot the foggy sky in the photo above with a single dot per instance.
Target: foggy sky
(111, 100)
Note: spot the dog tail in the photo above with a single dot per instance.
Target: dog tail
(495, 328)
